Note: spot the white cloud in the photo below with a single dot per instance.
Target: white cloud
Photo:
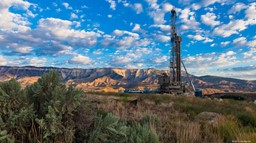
(188, 19)
(128, 41)
(18, 4)
(206, 3)
(84, 6)
(209, 19)
(236, 26)
(237, 8)
(11, 21)
(165, 28)
(129, 58)
(208, 40)
(54, 4)
(167, 7)
(134, 66)
(37, 62)
(230, 53)
(161, 59)
(77, 24)
(195, 6)
(144, 50)
(199, 37)
(250, 55)
(233, 27)
(158, 16)
(240, 41)
(122, 60)
(163, 38)
(196, 37)
(19, 48)
(66, 5)
(73, 16)
(132, 58)
(58, 10)
(211, 61)
(24, 49)
(61, 30)
(138, 8)
(97, 52)
(3, 61)
(54, 23)
(123, 32)
(112, 4)
(209, 9)
(251, 11)
(136, 28)
(107, 40)
(109, 16)
(153, 4)
(30, 14)
(155, 12)
(80, 59)
(123, 39)
(213, 44)
(252, 44)
(224, 44)
(51, 37)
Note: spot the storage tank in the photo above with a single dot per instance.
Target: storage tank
(198, 93)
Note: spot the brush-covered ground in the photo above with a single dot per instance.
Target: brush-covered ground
(49, 111)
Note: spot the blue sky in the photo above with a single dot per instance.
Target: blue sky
(218, 35)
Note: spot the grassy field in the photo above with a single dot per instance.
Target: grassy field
(49, 111)
(184, 119)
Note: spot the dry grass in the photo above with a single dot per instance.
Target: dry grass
(176, 116)
(188, 132)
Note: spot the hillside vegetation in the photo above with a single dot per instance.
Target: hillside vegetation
(48, 111)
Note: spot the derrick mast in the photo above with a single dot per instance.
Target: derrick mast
(175, 61)
(172, 83)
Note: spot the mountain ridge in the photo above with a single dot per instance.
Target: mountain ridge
(119, 78)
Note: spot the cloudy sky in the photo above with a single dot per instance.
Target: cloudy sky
(218, 35)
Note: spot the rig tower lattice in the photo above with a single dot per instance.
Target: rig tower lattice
(172, 83)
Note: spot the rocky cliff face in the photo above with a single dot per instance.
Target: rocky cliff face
(114, 79)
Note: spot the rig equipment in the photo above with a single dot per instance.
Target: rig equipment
(172, 83)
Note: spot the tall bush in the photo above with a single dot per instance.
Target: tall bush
(54, 105)
(42, 112)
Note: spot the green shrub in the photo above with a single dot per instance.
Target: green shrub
(4, 136)
(228, 129)
(247, 119)
(55, 105)
(15, 111)
(42, 112)
(110, 129)
(124, 98)
(151, 120)
(141, 134)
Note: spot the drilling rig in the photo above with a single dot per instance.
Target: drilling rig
(172, 83)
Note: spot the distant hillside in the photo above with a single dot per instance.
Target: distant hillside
(114, 79)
